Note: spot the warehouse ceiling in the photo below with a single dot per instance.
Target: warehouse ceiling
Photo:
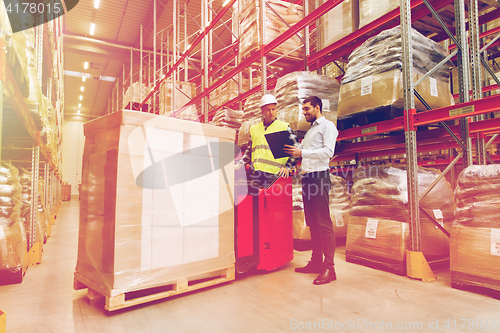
(117, 35)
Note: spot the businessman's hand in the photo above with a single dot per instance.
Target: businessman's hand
(293, 151)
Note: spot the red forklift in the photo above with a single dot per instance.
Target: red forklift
(263, 225)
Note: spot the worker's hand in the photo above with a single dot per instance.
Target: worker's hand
(293, 151)
(284, 172)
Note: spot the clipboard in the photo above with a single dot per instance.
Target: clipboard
(277, 142)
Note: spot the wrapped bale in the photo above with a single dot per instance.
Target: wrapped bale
(475, 237)
(379, 217)
(135, 93)
(293, 88)
(339, 22)
(228, 118)
(250, 27)
(13, 247)
(340, 205)
(251, 116)
(156, 205)
(183, 93)
(373, 77)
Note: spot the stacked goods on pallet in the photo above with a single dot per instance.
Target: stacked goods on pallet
(26, 195)
(156, 203)
(13, 246)
(65, 191)
(293, 88)
(134, 95)
(475, 237)
(183, 92)
(42, 217)
(273, 26)
(378, 230)
(251, 116)
(228, 118)
(340, 204)
(339, 22)
(370, 10)
(373, 77)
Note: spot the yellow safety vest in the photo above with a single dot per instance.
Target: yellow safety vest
(262, 156)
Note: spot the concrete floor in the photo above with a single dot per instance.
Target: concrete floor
(362, 299)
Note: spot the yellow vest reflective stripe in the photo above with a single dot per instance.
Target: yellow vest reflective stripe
(262, 156)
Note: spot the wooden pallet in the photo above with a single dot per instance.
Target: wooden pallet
(368, 117)
(476, 284)
(135, 297)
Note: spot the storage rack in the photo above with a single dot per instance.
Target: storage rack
(473, 126)
(25, 147)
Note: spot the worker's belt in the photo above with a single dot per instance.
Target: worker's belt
(316, 174)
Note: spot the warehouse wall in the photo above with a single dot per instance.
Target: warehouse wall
(73, 143)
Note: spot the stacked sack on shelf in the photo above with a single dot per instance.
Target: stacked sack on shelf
(475, 236)
(228, 118)
(373, 77)
(251, 116)
(13, 248)
(26, 197)
(378, 231)
(250, 27)
(293, 88)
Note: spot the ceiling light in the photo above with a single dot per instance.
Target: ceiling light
(92, 28)
(96, 4)
(79, 105)
(82, 88)
(81, 97)
(85, 65)
(83, 78)
(78, 111)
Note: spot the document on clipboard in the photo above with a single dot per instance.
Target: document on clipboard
(277, 142)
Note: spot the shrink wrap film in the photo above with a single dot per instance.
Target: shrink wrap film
(380, 193)
(373, 77)
(293, 88)
(135, 94)
(156, 202)
(250, 26)
(228, 118)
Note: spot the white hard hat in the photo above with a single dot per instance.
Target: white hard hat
(267, 99)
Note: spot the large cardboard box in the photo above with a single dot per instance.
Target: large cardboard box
(386, 89)
(475, 256)
(370, 10)
(156, 202)
(339, 22)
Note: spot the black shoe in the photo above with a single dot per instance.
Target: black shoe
(327, 276)
(310, 268)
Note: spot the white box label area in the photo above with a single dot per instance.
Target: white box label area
(438, 214)
(326, 105)
(371, 228)
(366, 85)
(495, 242)
(339, 219)
(434, 87)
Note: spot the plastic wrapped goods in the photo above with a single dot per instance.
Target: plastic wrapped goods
(135, 94)
(339, 22)
(373, 77)
(340, 205)
(250, 26)
(380, 203)
(156, 205)
(184, 91)
(228, 118)
(478, 196)
(370, 10)
(251, 116)
(13, 249)
(475, 256)
(293, 88)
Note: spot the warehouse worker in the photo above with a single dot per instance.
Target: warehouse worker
(258, 156)
(316, 150)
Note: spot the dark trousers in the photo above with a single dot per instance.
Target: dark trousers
(315, 188)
